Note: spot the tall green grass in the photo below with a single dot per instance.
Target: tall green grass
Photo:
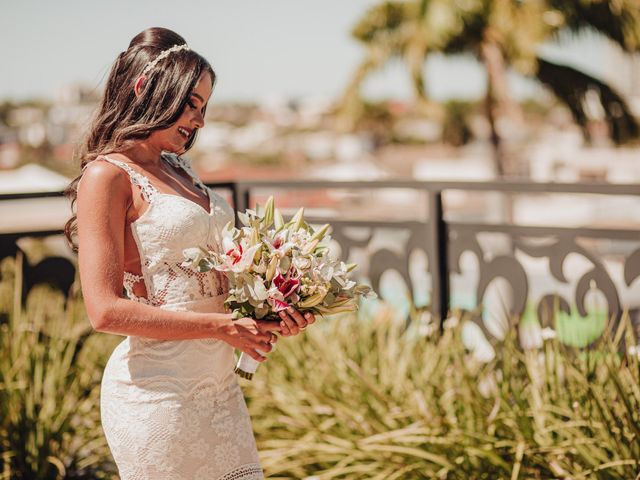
(366, 398)
(50, 370)
(352, 398)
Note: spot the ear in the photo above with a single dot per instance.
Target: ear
(139, 85)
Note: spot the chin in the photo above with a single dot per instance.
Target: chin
(172, 148)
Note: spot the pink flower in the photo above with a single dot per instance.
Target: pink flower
(236, 254)
(286, 286)
(277, 305)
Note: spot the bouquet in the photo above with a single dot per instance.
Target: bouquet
(272, 265)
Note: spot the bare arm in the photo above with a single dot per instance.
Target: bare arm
(103, 197)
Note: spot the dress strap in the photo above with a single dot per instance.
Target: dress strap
(146, 188)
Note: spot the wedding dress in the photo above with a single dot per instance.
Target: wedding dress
(174, 409)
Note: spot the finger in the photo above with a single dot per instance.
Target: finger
(285, 329)
(289, 322)
(269, 326)
(254, 354)
(271, 337)
(297, 316)
(264, 347)
(310, 317)
(257, 334)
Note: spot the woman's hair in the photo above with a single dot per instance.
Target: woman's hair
(123, 118)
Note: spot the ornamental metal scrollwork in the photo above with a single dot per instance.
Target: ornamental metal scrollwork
(632, 267)
(499, 266)
(595, 278)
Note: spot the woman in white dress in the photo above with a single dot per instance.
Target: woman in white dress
(171, 406)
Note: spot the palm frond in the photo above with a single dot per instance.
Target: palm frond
(382, 24)
(618, 20)
(571, 86)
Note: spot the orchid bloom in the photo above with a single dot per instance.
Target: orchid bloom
(237, 258)
(279, 247)
(286, 286)
(281, 289)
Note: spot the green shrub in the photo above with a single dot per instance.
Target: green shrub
(368, 399)
(352, 398)
(50, 370)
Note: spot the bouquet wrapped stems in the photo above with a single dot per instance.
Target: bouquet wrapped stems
(246, 366)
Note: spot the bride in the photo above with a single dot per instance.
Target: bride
(171, 406)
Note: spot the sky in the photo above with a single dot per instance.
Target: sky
(259, 49)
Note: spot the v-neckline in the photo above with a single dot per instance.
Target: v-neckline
(205, 191)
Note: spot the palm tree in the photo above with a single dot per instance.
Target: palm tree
(500, 34)
(503, 34)
(406, 30)
(617, 20)
(509, 32)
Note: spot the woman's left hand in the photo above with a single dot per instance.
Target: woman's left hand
(292, 321)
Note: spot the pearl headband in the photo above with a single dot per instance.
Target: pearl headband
(164, 54)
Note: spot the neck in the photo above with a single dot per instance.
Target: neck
(145, 154)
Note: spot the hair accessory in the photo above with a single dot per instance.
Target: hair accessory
(164, 54)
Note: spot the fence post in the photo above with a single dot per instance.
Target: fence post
(241, 198)
(437, 243)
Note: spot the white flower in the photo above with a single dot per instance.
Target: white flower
(548, 333)
(193, 256)
(488, 386)
(473, 339)
(302, 263)
(238, 258)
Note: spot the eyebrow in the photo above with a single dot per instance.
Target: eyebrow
(198, 96)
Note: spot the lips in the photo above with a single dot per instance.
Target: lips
(185, 132)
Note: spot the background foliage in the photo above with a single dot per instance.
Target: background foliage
(353, 398)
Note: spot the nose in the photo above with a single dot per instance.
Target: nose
(199, 120)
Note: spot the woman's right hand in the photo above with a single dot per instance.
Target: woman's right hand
(248, 335)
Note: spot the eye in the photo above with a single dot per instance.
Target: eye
(193, 106)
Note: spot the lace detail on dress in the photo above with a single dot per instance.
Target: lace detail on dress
(148, 191)
(173, 409)
(176, 277)
(246, 472)
(166, 280)
(130, 279)
(164, 427)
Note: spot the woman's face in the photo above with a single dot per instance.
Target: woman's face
(174, 138)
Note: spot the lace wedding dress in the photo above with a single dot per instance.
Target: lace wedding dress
(174, 409)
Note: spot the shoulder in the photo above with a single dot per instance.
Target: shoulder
(102, 177)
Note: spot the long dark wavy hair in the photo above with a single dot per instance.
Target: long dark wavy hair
(122, 119)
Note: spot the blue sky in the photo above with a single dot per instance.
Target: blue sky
(259, 49)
